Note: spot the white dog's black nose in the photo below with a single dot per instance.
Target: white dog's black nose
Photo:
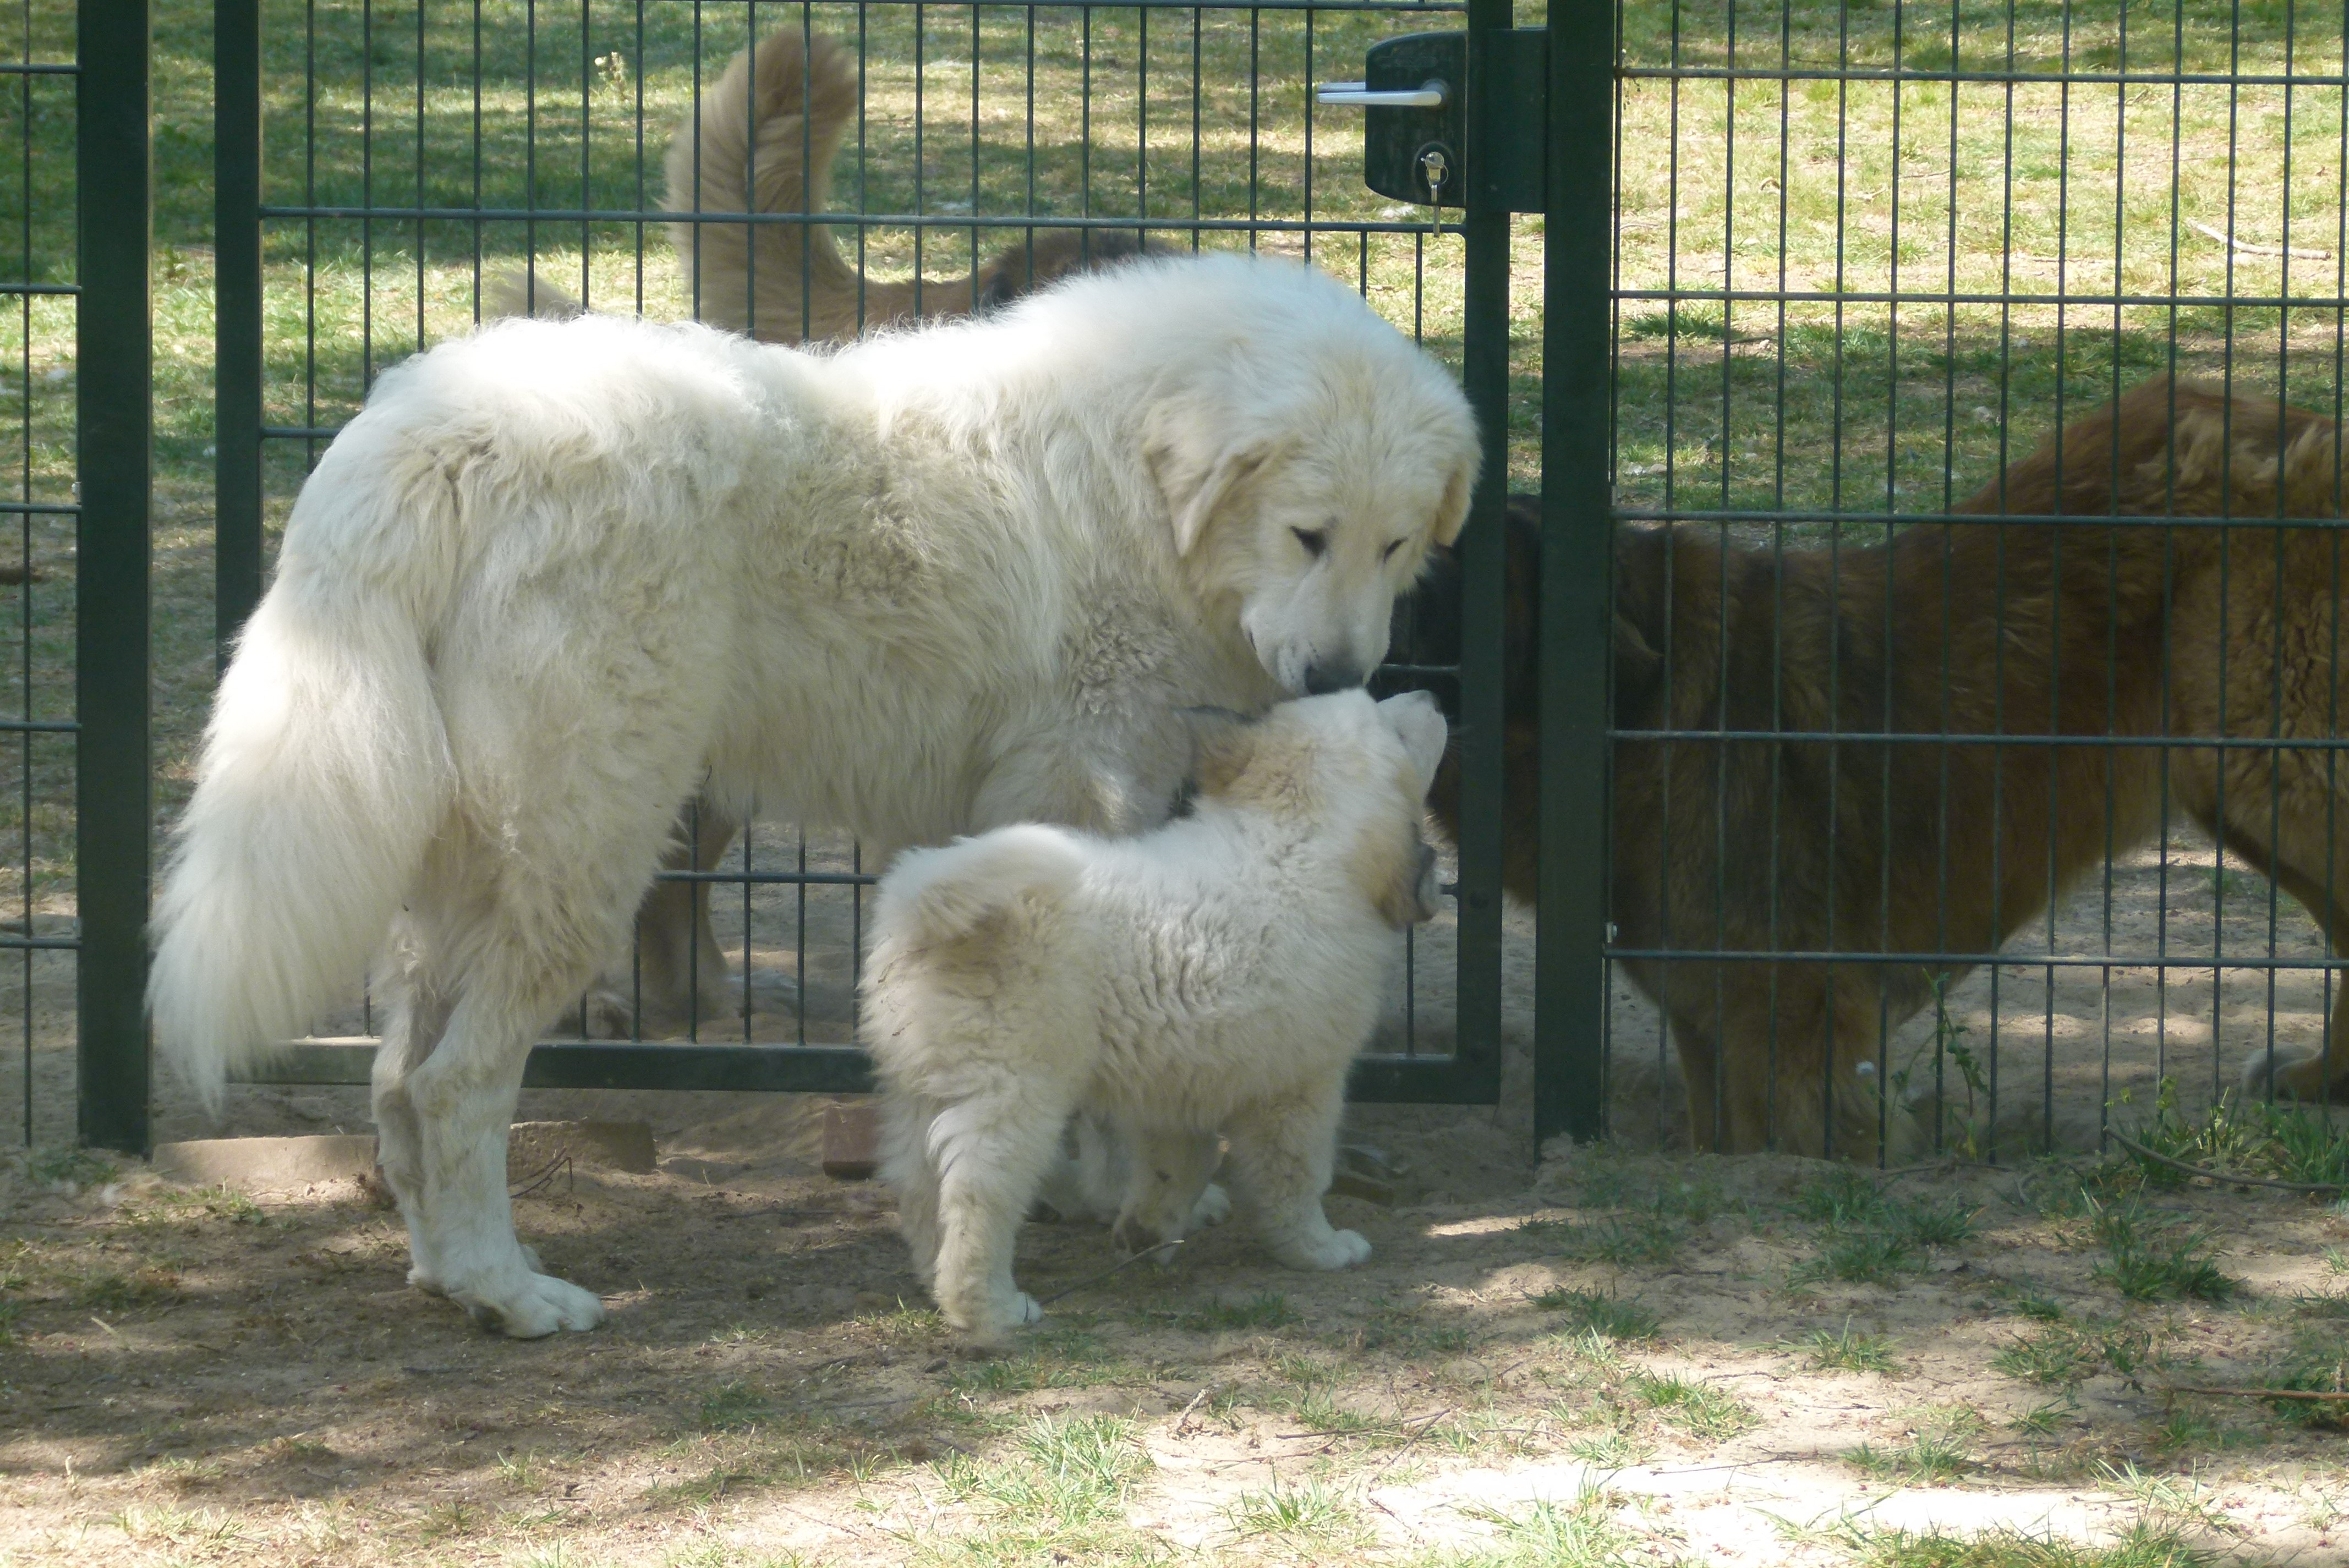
(1323, 679)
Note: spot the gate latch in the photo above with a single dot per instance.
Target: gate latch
(1419, 144)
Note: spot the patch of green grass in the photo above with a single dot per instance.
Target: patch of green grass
(1843, 1197)
(1857, 1257)
(1697, 1408)
(1613, 1449)
(2316, 1361)
(69, 1170)
(1061, 1358)
(1305, 1515)
(1940, 1450)
(2252, 1137)
(1626, 1240)
(1589, 1312)
(1550, 1533)
(1843, 1350)
(2143, 1545)
(108, 1290)
(734, 1406)
(9, 1311)
(1265, 1309)
(2064, 1354)
(2157, 1256)
(1404, 1332)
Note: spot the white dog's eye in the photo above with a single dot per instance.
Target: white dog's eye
(1388, 553)
(1314, 540)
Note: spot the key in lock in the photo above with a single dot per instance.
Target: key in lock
(1435, 167)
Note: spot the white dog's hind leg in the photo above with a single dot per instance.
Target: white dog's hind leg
(906, 1166)
(462, 1224)
(989, 1152)
(416, 1015)
(1282, 1159)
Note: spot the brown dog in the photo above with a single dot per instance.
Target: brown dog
(2021, 629)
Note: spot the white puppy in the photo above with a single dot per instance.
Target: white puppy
(557, 577)
(1220, 974)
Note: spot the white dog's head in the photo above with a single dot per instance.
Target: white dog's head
(1307, 468)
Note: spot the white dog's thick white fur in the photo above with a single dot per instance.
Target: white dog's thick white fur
(947, 580)
(1218, 974)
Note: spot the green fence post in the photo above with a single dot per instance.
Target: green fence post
(236, 291)
(114, 351)
(1570, 982)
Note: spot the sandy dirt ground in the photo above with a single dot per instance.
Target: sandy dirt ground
(216, 1376)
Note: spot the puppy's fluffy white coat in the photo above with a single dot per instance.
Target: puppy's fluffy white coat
(1218, 974)
(557, 576)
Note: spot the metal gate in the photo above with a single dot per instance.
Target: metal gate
(387, 174)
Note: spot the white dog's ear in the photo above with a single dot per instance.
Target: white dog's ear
(1419, 722)
(1198, 474)
(1451, 512)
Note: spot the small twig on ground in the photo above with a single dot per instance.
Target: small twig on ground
(1184, 1420)
(558, 1166)
(2134, 1146)
(2247, 248)
(2322, 1396)
(1096, 1279)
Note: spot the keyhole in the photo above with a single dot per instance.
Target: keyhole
(1432, 168)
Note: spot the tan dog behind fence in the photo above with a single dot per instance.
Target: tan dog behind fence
(2024, 630)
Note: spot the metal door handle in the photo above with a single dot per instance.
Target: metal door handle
(1354, 94)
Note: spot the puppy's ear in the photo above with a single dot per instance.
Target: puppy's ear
(1398, 870)
(1200, 475)
(1418, 720)
(1222, 742)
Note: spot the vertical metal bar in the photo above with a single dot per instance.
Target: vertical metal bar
(1485, 375)
(236, 318)
(1569, 996)
(115, 355)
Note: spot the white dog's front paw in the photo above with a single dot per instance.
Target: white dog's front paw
(1335, 1249)
(543, 1305)
(1214, 1207)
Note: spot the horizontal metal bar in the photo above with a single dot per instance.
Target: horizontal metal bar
(2001, 960)
(1976, 737)
(858, 219)
(1911, 74)
(609, 1064)
(39, 944)
(39, 69)
(40, 508)
(1854, 296)
(793, 1069)
(1969, 519)
(812, 879)
(43, 289)
(300, 432)
(1404, 8)
(39, 726)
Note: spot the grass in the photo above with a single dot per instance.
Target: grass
(1843, 1350)
(1940, 1450)
(2142, 1545)
(2155, 1257)
(1265, 1310)
(1305, 1515)
(1589, 1312)
(2248, 1137)
(2065, 1355)
(1872, 1238)
(1586, 1532)
(1695, 1407)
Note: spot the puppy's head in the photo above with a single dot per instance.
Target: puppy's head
(1343, 764)
(1306, 476)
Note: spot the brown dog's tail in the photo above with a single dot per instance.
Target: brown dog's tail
(764, 143)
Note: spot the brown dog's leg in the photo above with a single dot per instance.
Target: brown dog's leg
(2322, 1075)
(680, 961)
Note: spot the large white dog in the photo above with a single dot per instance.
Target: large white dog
(946, 580)
(1217, 974)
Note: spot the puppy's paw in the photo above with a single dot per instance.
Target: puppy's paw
(1214, 1207)
(1335, 1249)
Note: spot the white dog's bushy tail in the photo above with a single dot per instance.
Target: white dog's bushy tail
(325, 775)
(944, 895)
